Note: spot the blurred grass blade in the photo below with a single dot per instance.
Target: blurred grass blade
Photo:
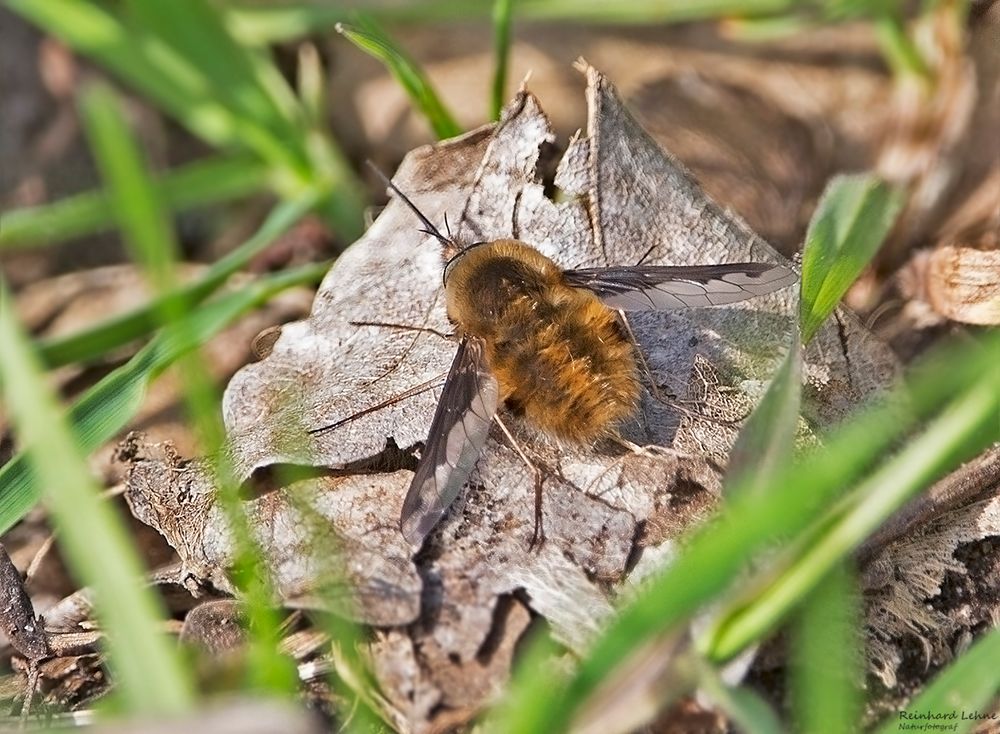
(652, 678)
(182, 57)
(262, 108)
(100, 339)
(827, 662)
(646, 11)
(265, 24)
(898, 48)
(967, 426)
(852, 220)
(96, 545)
(106, 408)
(360, 705)
(150, 240)
(502, 12)
(717, 553)
(968, 685)
(534, 664)
(766, 440)
(312, 85)
(195, 185)
(743, 707)
(268, 117)
(146, 229)
(149, 237)
(144, 60)
(371, 39)
(763, 29)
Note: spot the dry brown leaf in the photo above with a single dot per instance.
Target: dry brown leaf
(905, 604)
(217, 626)
(957, 283)
(178, 498)
(605, 513)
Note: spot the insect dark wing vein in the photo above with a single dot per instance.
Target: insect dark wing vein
(655, 287)
(457, 435)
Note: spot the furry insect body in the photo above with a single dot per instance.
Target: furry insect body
(561, 358)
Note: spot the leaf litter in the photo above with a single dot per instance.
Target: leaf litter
(446, 619)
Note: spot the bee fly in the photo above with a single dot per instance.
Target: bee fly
(549, 345)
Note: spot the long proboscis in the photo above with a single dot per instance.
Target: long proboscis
(429, 228)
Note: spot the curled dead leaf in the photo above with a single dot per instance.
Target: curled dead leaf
(958, 283)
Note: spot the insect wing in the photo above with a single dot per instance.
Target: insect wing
(457, 436)
(657, 287)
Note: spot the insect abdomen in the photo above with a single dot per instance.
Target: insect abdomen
(565, 364)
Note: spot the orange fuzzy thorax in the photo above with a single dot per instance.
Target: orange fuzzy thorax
(561, 358)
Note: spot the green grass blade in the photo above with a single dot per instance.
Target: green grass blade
(96, 341)
(312, 84)
(509, 715)
(966, 427)
(765, 28)
(262, 24)
(106, 408)
(147, 668)
(766, 440)
(743, 707)
(716, 554)
(263, 110)
(351, 679)
(749, 712)
(267, 116)
(182, 56)
(852, 220)
(141, 59)
(850, 224)
(151, 243)
(827, 662)
(645, 11)
(502, 12)
(898, 47)
(371, 39)
(195, 185)
(967, 686)
(148, 232)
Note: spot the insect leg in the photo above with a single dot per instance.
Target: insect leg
(538, 535)
(652, 451)
(655, 390)
(415, 390)
(515, 226)
(405, 327)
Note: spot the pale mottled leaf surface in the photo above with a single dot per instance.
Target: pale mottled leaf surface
(309, 534)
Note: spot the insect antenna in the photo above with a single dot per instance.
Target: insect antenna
(430, 384)
(648, 253)
(428, 227)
